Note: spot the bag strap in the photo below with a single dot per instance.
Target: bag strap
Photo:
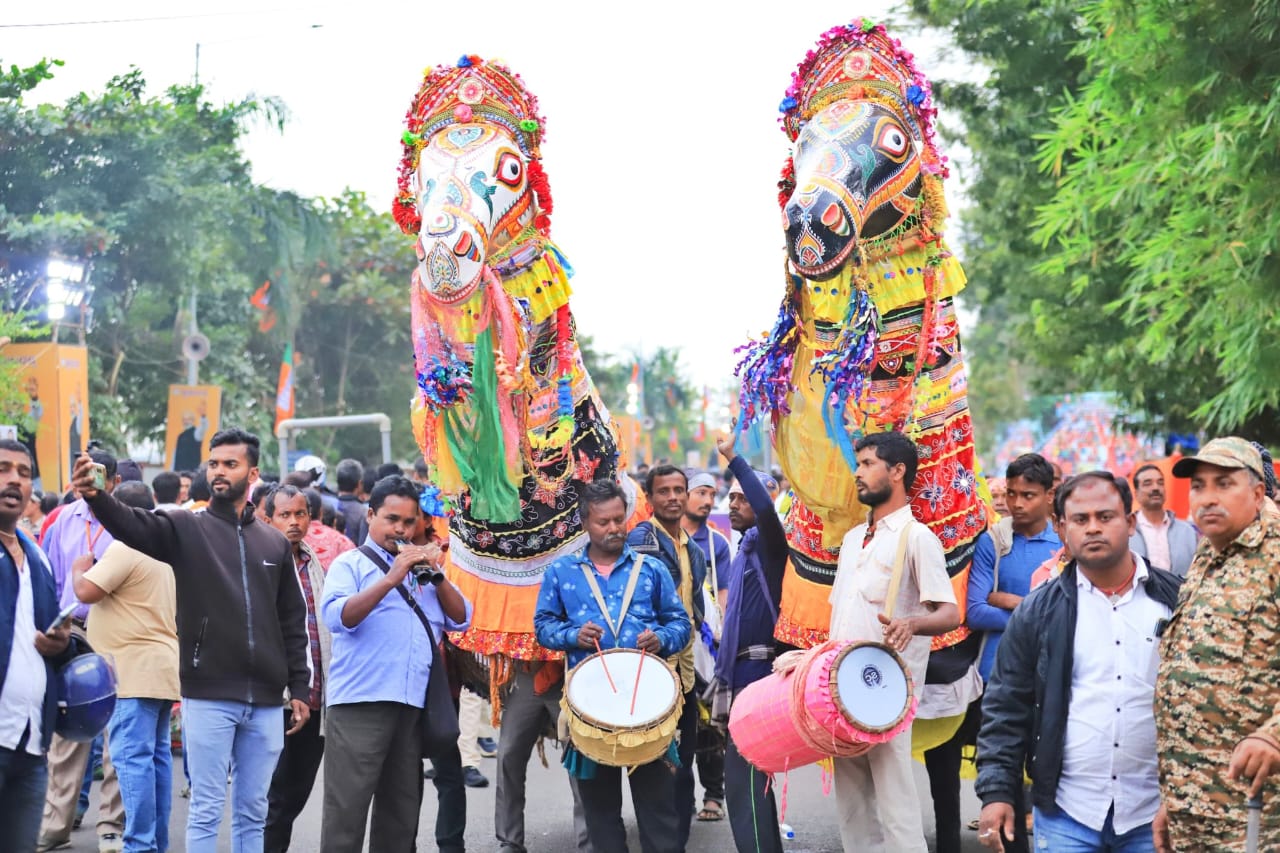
(899, 561)
(626, 595)
(404, 593)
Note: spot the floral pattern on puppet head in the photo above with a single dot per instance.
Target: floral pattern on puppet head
(470, 180)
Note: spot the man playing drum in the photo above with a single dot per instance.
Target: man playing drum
(608, 596)
(891, 585)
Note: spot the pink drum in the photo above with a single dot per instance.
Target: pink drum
(839, 699)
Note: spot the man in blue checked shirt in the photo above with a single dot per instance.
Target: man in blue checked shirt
(568, 618)
(378, 675)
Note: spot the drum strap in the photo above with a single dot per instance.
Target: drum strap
(899, 562)
(626, 597)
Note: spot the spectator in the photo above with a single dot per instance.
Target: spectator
(73, 534)
(288, 510)
(242, 634)
(184, 494)
(1161, 539)
(1077, 648)
(28, 657)
(349, 473)
(167, 486)
(327, 543)
(374, 601)
(134, 622)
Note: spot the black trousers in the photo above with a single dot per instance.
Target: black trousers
(652, 788)
(291, 784)
(753, 811)
(943, 765)
(684, 775)
(711, 763)
(451, 800)
(371, 753)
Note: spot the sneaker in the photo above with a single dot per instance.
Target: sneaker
(81, 811)
(488, 746)
(45, 844)
(110, 843)
(473, 778)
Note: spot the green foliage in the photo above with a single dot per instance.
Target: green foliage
(1163, 219)
(1026, 48)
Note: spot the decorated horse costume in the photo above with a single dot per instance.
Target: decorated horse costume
(866, 339)
(508, 420)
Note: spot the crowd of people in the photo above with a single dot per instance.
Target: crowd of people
(1122, 661)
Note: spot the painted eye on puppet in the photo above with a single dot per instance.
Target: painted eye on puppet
(892, 140)
(510, 169)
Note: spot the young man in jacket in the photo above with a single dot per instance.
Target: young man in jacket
(1071, 693)
(28, 657)
(663, 537)
(242, 635)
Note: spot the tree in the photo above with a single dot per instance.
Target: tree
(155, 191)
(1027, 48)
(1163, 223)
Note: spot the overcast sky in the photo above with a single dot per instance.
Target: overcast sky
(662, 141)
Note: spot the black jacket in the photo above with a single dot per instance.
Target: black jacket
(1024, 711)
(242, 620)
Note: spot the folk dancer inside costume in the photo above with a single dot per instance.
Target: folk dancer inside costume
(584, 603)
(876, 797)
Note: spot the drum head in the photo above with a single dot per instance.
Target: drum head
(590, 695)
(872, 687)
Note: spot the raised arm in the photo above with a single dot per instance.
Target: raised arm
(771, 537)
(152, 533)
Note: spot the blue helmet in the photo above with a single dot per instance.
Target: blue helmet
(86, 697)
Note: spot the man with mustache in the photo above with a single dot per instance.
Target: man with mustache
(876, 797)
(28, 657)
(662, 537)
(242, 635)
(569, 619)
(1070, 696)
(1218, 689)
(1161, 539)
(288, 509)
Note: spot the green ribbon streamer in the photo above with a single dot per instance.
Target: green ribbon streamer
(480, 451)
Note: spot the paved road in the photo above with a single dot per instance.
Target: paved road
(549, 820)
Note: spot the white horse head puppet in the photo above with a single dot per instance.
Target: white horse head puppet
(509, 422)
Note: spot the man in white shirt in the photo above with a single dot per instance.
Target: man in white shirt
(1072, 690)
(876, 797)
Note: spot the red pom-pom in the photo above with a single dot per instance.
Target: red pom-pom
(542, 192)
(787, 183)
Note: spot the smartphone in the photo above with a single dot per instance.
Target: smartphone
(99, 476)
(63, 616)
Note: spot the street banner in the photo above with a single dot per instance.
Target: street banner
(194, 416)
(55, 378)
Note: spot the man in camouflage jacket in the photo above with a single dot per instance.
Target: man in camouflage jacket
(1218, 689)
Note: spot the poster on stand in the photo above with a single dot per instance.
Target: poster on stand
(194, 416)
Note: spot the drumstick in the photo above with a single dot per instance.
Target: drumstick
(635, 693)
(605, 666)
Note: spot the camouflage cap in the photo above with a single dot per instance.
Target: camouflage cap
(1228, 452)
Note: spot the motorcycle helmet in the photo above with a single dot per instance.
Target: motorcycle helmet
(86, 697)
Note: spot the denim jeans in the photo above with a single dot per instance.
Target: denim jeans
(23, 778)
(140, 751)
(225, 736)
(1058, 832)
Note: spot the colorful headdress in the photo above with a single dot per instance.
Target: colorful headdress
(471, 90)
(860, 61)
